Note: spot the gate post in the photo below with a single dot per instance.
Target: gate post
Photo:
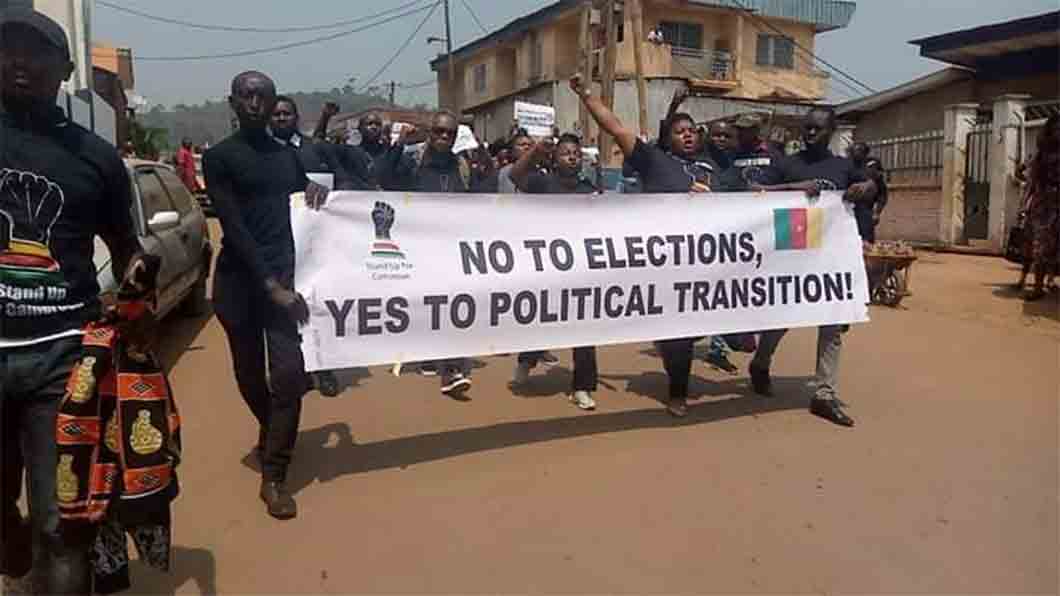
(1005, 193)
(959, 121)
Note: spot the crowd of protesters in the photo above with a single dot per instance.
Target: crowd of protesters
(251, 176)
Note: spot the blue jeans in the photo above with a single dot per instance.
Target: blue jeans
(32, 383)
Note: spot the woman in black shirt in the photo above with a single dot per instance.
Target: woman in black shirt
(675, 170)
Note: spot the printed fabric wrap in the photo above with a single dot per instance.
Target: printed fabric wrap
(118, 436)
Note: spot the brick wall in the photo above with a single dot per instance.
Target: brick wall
(912, 214)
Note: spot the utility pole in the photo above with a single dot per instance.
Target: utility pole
(636, 37)
(393, 87)
(449, 43)
(585, 63)
(607, 71)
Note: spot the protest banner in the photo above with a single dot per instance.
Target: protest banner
(538, 120)
(394, 277)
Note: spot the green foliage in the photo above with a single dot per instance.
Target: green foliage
(212, 121)
(148, 141)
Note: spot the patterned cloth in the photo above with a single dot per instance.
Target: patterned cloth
(1043, 226)
(118, 439)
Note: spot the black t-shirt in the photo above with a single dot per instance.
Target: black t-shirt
(60, 186)
(251, 176)
(829, 171)
(348, 165)
(663, 172)
(748, 168)
(539, 183)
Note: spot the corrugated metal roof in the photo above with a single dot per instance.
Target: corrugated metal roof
(825, 14)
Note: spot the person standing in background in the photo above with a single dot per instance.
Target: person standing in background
(185, 160)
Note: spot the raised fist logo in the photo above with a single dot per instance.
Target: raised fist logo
(383, 218)
(29, 207)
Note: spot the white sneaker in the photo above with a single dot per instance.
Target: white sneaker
(549, 359)
(583, 400)
(522, 373)
(455, 384)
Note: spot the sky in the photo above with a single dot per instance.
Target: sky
(873, 49)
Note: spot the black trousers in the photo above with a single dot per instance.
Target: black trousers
(585, 371)
(677, 355)
(269, 367)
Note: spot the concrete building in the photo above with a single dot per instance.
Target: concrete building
(715, 44)
(953, 138)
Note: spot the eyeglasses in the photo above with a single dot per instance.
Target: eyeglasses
(441, 131)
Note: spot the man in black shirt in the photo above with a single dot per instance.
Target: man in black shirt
(813, 170)
(347, 164)
(565, 178)
(676, 170)
(60, 186)
(433, 168)
(752, 162)
(374, 142)
(251, 176)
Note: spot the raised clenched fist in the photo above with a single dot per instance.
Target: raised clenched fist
(383, 218)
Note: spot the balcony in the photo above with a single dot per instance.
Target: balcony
(714, 69)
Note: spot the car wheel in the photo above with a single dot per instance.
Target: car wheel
(197, 304)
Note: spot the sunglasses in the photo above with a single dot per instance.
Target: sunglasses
(441, 131)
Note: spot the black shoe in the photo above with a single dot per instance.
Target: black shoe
(761, 381)
(829, 409)
(278, 500)
(327, 384)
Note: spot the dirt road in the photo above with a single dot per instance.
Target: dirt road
(948, 483)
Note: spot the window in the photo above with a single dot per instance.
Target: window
(682, 35)
(182, 199)
(153, 195)
(536, 55)
(775, 50)
(479, 74)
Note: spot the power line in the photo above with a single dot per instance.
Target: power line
(474, 16)
(286, 46)
(755, 17)
(225, 28)
(404, 46)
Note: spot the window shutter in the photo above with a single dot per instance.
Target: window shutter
(764, 50)
(784, 53)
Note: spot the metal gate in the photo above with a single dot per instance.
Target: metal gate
(977, 184)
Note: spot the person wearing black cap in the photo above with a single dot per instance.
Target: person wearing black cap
(60, 186)
(251, 176)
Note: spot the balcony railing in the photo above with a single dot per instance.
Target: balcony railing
(709, 65)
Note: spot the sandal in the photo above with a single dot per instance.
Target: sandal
(677, 407)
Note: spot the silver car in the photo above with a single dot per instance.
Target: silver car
(171, 225)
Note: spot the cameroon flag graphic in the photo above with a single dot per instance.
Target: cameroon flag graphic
(798, 229)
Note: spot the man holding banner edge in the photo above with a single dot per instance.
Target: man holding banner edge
(812, 170)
